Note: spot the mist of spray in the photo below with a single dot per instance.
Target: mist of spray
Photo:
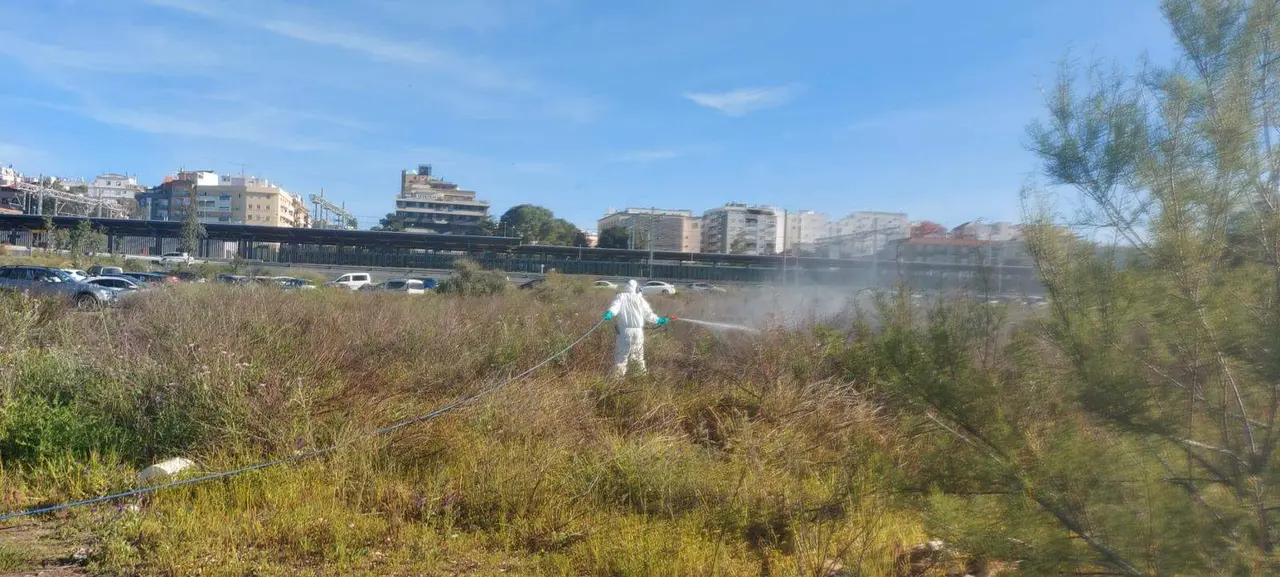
(718, 326)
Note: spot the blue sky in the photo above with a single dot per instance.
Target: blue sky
(577, 105)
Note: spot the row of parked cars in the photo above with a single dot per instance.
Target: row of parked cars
(363, 281)
(653, 287)
(349, 281)
(284, 282)
(97, 287)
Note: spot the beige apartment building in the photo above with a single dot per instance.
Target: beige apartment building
(430, 204)
(247, 200)
(670, 230)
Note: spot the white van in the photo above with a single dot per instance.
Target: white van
(351, 281)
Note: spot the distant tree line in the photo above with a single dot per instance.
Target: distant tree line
(531, 223)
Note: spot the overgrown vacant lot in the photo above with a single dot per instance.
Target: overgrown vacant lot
(739, 454)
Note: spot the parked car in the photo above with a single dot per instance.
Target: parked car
(706, 287)
(657, 287)
(232, 279)
(297, 284)
(532, 283)
(403, 285)
(171, 258)
(351, 281)
(118, 284)
(76, 274)
(189, 276)
(428, 283)
(151, 278)
(604, 284)
(97, 270)
(45, 281)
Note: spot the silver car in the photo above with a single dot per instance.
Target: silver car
(45, 281)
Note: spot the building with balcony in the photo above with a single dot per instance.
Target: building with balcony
(664, 229)
(737, 228)
(223, 199)
(429, 204)
(8, 176)
(114, 187)
(863, 233)
(804, 228)
(993, 231)
(939, 250)
(169, 199)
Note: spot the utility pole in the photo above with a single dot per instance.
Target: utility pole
(875, 258)
(649, 239)
(653, 210)
(785, 226)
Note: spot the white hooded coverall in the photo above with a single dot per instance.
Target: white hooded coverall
(630, 312)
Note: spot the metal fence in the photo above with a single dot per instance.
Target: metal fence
(997, 280)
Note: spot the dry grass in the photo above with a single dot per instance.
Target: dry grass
(737, 455)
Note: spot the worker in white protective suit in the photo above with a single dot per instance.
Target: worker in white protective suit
(632, 312)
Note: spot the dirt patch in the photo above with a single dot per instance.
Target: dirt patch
(41, 549)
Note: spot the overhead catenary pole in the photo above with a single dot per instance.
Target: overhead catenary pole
(785, 226)
(652, 213)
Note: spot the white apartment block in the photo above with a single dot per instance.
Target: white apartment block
(863, 233)
(669, 230)
(743, 229)
(804, 228)
(113, 187)
(8, 176)
(993, 232)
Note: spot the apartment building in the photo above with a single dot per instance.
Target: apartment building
(169, 199)
(970, 251)
(863, 233)
(8, 176)
(738, 228)
(114, 187)
(664, 229)
(224, 199)
(804, 228)
(993, 231)
(429, 204)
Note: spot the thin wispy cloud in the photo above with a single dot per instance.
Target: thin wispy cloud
(138, 50)
(743, 101)
(473, 15)
(19, 155)
(969, 116)
(264, 127)
(898, 119)
(643, 156)
(473, 70)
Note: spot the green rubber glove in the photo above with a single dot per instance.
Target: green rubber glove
(663, 321)
(608, 315)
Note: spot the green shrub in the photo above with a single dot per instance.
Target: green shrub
(559, 288)
(470, 279)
